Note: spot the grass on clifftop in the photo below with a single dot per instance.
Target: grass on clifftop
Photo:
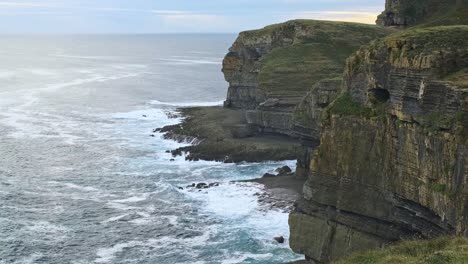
(438, 251)
(447, 15)
(428, 40)
(318, 51)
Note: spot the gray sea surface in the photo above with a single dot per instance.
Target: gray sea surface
(82, 180)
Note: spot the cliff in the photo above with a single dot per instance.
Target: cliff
(404, 13)
(271, 70)
(442, 250)
(392, 164)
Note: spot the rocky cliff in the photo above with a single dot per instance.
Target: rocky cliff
(393, 161)
(405, 13)
(271, 70)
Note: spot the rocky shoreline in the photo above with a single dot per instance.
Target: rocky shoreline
(213, 134)
(376, 118)
(220, 134)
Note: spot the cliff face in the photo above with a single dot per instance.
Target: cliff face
(271, 70)
(405, 13)
(393, 161)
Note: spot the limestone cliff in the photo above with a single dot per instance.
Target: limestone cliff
(405, 13)
(393, 161)
(271, 70)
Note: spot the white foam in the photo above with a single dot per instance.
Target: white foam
(151, 114)
(133, 199)
(42, 72)
(193, 62)
(228, 200)
(242, 258)
(81, 188)
(106, 255)
(187, 104)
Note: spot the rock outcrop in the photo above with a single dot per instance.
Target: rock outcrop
(393, 159)
(405, 13)
(271, 70)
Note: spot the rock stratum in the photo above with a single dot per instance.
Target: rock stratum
(406, 13)
(389, 109)
(377, 118)
(392, 164)
(271, 70)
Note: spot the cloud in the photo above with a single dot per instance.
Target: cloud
(21, 4)
(170, 12)
(367, 17)
(196, 22)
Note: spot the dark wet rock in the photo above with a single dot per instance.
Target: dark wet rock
(214, 184)
(268, 175)
(152, 135)
(209, 130)
(201, 185)
(279, 239)
(172, 159)
(145, 116)
(180, 188)
(284, 170)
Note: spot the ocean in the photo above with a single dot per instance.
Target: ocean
(82, 180)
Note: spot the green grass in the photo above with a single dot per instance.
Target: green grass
(437, 251)
(448, 14)
(459, 78)
(420, 48)
(427, 40)
(430, 13)
(319, 53)
(345, 106)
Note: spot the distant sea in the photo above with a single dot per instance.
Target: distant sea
(82, 180)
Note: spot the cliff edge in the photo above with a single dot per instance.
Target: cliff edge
(424, 13)
(392, 164)
(270, 70)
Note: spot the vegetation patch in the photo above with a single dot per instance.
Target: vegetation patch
(346, 106)
(459, 78)
(437, 251)
(317, 50)
(421, 42)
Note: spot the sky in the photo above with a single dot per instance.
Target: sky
(173, 16)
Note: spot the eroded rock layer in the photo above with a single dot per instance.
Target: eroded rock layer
(271, 70)
(406, 13)
(393, 159)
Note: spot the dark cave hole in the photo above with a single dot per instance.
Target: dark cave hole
(379, 95)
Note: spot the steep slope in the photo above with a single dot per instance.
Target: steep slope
(438, 251)
(393, 162)
(424, 13)
(270, 70)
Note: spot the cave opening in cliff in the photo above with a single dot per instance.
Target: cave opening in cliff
(379, 95)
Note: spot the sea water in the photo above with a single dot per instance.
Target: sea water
(82, 180)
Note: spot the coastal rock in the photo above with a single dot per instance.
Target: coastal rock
(270, 70)
(279, 239)
(268, 175)
(283, 170)
(393, 159)
(405, 13)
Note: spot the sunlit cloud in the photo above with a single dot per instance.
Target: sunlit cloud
(367, 17)
(143, 16)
